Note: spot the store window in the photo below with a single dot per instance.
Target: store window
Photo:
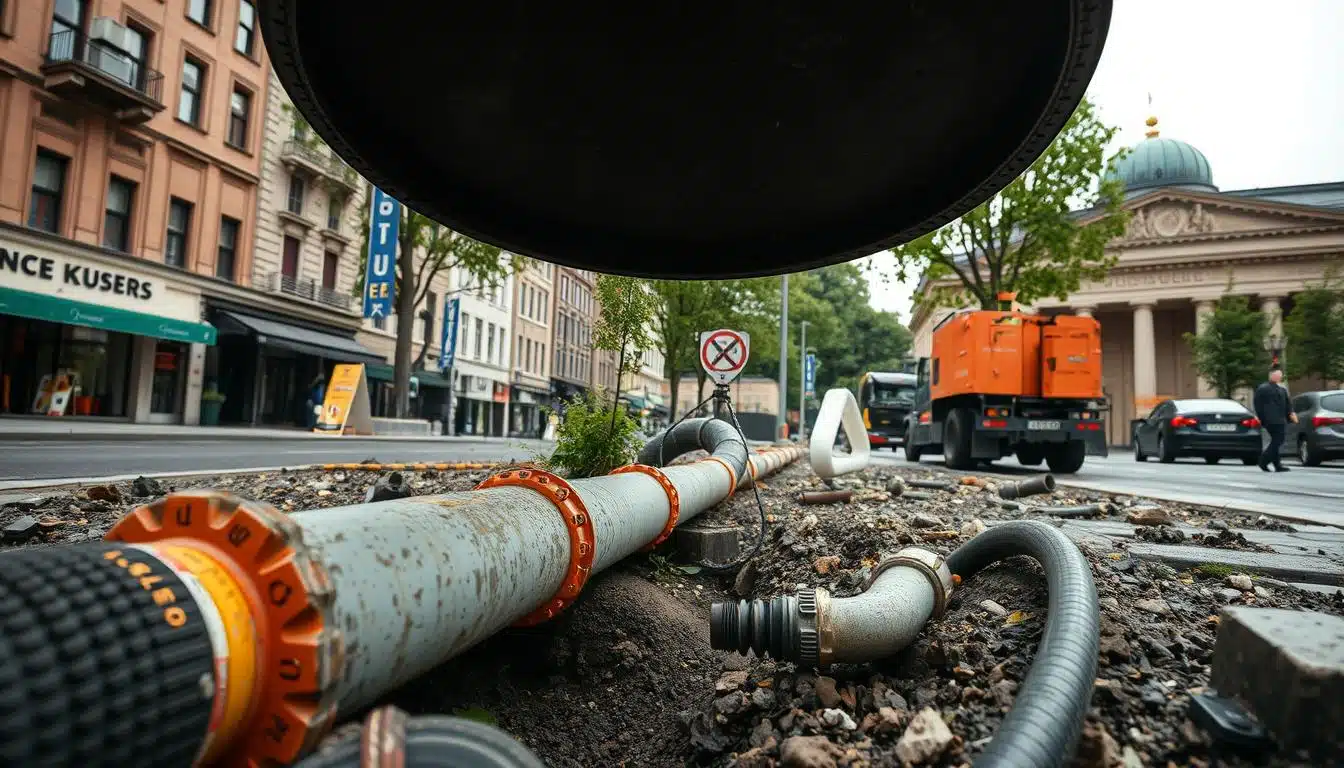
(63, 370)
(117, 219)
(48, 191)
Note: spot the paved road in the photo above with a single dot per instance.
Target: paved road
(22, 460)
(1309, 493)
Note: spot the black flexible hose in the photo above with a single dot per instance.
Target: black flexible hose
(1043, 726)
(437, 741)
(716, 436)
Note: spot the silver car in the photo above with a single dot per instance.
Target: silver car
(1318, 434)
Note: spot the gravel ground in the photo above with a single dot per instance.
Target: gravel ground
(626, 677)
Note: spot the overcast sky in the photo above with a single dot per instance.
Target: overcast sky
(1257, 86)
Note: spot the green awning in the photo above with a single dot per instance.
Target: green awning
(635, 401)
(71, 312)
(426, 378)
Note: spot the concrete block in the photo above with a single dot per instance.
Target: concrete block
(715, 545)
(1315, 569)
(1288, 668)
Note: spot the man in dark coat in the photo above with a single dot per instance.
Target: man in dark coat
(1274, 411)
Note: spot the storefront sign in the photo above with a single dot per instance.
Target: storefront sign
(501, 393)
(70, 275)
(380, 269)
(345, 411)
(448, 344)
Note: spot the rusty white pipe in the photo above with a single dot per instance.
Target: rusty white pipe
(420, 580)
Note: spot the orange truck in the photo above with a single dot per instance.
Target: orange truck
(1003, 383)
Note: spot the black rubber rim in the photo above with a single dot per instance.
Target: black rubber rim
(874, 152)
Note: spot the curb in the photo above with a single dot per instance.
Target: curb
(130, 437)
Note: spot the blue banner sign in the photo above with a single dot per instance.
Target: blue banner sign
(810, 377)
(448, 342)
(380, 272)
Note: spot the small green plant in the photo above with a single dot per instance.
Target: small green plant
(213, 396)
(593, 440)
(479, 714)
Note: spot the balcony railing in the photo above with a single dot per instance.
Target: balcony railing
(72, 48)
(309, 289)
(299, 150)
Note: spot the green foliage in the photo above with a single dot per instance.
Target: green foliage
(623, 327)
(594, 437)
(1229, 350)
(1315, 331)
(1026, 238)
(479, 714)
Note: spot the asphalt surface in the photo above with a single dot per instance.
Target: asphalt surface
(22, 460)
(1307, 493)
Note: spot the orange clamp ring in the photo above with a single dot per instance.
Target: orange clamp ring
(274, 600)
(732, 476)
(673, 498)
(582, 535)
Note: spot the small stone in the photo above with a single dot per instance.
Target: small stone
(1003, 692)
(1130, 758)
(827, 693)
(730, 681)
(1147, 516)
(1228, 594)
(889, 719)
(144, 487)
(763, 698)
(391, 486)
(1097, 746)
(108, 493)
(925, 739)
(922, 520)
(1109, 603)
(1262, 593)
(1156, 606)
(762, 734)
(21, 529)
(1219, 525)
(838, 718)
(809, 752)
(896, 486)
(972, 527)
(808, 523)
(1241, 581)
(994, 608)
(824, 565)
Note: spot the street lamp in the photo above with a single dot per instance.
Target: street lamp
(1274, 346)
(802, 384)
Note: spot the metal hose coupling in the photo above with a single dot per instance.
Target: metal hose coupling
(903, 592)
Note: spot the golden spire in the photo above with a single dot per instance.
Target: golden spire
(1152, 131)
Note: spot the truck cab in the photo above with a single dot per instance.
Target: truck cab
(886, 399)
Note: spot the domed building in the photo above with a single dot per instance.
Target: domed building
(1185, 239)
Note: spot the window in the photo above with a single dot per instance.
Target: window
(67, 19)
(380, 322)
(199, 12)
(294, 203)
(228, 247)
(289, 265)
(334, 205)
(117, 219)
(490, 344)
(330, 267)
(245, 38)
(193, 83)
(240, 109)
(463, 325)
(48, 191)
(179, 224)
(480, 329)
(541, 360)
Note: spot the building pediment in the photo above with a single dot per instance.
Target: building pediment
(1168, 216)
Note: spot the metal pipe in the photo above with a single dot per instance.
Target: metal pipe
(321, 612)
(826, 497)
(1030, 487)
(813, 628)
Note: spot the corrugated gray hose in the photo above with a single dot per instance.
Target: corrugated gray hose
(1043, 726)
(714, 435)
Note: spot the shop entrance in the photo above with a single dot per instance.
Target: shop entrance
(166, 388)
(38, 357)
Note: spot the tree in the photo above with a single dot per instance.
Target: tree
(1229, 350)
(1042, 235)
(623, 326)
(424, 249)
(1315, 331)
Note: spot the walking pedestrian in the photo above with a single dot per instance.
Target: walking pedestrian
(1274, 411)
(317, 394)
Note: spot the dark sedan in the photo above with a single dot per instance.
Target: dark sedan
(1211, 428)
(1318, 434)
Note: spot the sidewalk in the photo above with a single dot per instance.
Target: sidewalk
(61, 429)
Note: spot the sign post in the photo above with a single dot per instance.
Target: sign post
(452, 312)
(380, 269)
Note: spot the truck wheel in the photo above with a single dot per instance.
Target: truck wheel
(1066, 458)
(912, 451)
(1030, 455)
(957, 441)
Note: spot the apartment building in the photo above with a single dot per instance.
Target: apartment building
(572, 342)
(646, 389)
(482, 369)
(130, 156)
(305, 261)
(529, 390)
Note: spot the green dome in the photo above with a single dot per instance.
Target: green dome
(1157, 162)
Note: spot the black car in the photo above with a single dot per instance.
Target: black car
(1212, 428)
(1318, 434)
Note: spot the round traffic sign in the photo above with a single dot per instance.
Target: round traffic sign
(723, 352)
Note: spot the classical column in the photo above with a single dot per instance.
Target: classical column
(1145, 359)
(1203, 309)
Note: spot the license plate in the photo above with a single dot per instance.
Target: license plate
(1042, 425)
(1221, 427)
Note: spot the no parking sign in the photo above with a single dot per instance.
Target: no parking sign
(724, 353)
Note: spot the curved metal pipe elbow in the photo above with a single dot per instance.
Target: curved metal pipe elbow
(716, 436)
(813, 628)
